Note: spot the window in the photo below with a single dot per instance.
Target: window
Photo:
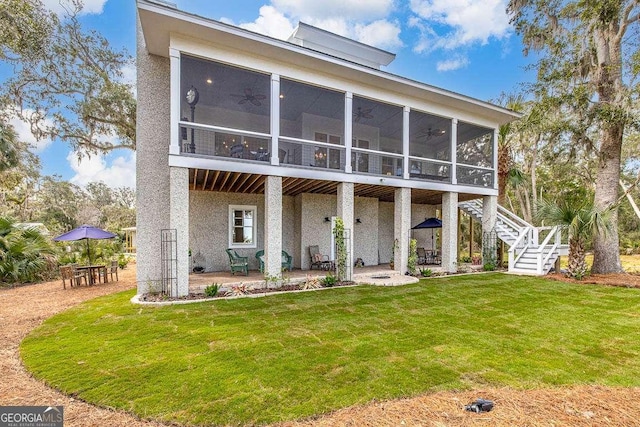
(242, 226)
(327, 158)
(360, 161)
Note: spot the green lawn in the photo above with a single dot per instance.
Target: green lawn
(296, 355)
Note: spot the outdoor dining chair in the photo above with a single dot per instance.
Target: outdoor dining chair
(75, 277)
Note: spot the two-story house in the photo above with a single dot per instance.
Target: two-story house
(253, 143)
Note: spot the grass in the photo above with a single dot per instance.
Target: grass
(256, 361)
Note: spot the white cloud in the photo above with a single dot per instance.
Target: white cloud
(357, 10)
(23, 131)
(120, 173)
(467, 22)
(452, 64)
(381, 33)
(90, 7)
(129, 76)
(272, 23)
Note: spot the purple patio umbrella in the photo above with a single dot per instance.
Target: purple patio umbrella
(85, 232)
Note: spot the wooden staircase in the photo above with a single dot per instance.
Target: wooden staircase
(527, 254)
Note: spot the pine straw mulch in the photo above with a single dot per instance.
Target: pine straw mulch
(24, 308)
(625, 280)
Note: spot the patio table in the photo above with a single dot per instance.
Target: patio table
(94, 270)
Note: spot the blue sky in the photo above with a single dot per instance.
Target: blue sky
(465, 46)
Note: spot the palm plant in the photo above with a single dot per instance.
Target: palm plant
(26, 255)
(582, 221)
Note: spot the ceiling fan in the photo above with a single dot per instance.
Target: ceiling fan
(362, 114)
(250, 97)
(430, 133)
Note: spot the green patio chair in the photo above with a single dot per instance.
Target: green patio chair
(287, 260)
(237, 262)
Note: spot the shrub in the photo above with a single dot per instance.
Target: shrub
(426, 272)
(330, 280)
(212, 290)
(123, 260)
(489, 266)
(26, 255)
(465, 258)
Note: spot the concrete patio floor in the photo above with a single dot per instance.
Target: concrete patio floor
(374, 274)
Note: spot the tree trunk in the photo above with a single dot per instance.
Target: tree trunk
(576, 266)
(606, 247)
(608, 78)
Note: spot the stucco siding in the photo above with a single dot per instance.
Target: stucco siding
(152, 168)
(209, 227)
(385, 231)
(365, 234)
(314, 230)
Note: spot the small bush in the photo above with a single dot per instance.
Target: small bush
(426, 272)
(212, 290)
(466, 259)
(330, 280)
(489, 266)
(123, 260)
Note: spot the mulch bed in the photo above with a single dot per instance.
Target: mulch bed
(193, 296)
(625, 280)
(23, 308)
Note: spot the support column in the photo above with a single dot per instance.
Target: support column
(273, 226)
(402, 224)
(449, 232)
(275, 119)
(179, 220)
(345, 210)
(454, 151)
(348, 131)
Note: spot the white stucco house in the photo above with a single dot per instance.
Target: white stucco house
(253, 143)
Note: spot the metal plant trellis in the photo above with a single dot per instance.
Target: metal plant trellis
(490, 248)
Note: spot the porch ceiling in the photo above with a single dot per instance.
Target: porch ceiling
(248, 183)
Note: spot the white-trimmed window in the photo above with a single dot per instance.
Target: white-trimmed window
(242, 226)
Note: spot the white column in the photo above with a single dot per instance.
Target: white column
(495, 158)
(402, 224)
(348, 130)
(275, 118)
(450, 232)
(405, 142)
(345, 210)
(174, 139)
(179, 220)
(273, 226)
(454, 150)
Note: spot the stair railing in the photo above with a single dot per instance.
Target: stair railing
(519, 247)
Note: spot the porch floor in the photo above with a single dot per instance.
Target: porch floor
(197, 282)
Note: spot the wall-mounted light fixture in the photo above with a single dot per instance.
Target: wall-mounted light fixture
(327, 219)
(358, 221)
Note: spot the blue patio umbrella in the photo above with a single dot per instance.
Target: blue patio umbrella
(429, 223)
(85, 232)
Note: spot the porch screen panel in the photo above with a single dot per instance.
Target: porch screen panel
(229, 96)
(474, 145)
(379, 123)
(429, 136)
(307, 109)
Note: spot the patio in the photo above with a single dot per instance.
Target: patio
(367, 274)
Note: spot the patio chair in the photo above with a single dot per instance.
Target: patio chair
(237, 262)
(316, 258)
(422, 256)
(287, 260)
(68, 272)
(110, 271)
